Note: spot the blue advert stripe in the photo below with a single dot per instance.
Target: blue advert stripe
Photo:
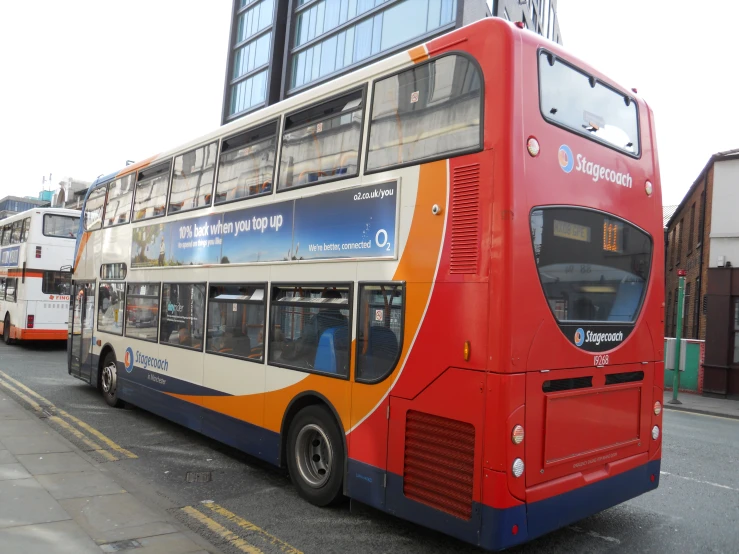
(353, 223)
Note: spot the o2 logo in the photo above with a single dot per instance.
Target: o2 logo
(128, 360)
(566, 159)
(579, 337)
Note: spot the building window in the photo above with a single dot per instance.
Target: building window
(674, 314)
(120, 195)
(183, 314)
(371, 35)
(321, 143)
(379, 331)
(692, 229)
(679, 243)
(151, 192)
(700, 217)
(505, 14)
(696, 309)
(251, 56)
(444, 95)
(735, 359)
(667, 315)
(111, 299)
(236, 315)
(142, 311)
(247, 164)
(310, 328)
(94, 208)
(192, 179)
(687, 331)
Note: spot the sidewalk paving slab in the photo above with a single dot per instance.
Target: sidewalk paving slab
(7, 458)
(9, 472)
(63, 537)
(698, 404)
(56, 462)
(25, 502)
(55, 498)
(115, 518)
(78, 484)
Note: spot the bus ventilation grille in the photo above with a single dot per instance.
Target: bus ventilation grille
(628, 377)
(465, 219)
(439, 463)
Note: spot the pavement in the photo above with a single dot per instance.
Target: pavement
(698, 404)
(56, 498)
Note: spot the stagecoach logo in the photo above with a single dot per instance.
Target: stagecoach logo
(581, 337)
(566, 159)
(128, 360)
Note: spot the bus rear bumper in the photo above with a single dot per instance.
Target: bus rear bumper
(553, 513)
(37, 334)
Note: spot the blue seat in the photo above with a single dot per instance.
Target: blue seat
(626, 302)
(382, 351)
(332, 351)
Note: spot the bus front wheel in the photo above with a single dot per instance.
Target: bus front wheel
(6, 331)
(315, 456)
(109, 381)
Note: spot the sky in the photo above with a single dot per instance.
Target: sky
(87, 84)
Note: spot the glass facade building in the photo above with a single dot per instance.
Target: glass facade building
(11, 205)
(282, 47)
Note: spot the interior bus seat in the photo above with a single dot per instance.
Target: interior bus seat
(332, 351)
(382, 350)
(626, 303)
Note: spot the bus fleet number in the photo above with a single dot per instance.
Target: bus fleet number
(600, 360)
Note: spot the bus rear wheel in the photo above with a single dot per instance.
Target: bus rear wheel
(6, 331)
(315, 456)
(109, 381)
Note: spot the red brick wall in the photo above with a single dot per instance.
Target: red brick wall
(689, 259)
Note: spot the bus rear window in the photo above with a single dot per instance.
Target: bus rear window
(592, 266)
(579, 102)
(62, 226)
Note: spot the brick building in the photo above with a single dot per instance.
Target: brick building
(702, 237)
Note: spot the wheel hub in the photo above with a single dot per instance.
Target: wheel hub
(109, 378)
(314, 455)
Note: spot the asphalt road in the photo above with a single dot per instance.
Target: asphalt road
(695, 509)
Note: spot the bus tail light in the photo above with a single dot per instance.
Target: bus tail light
(29, 322)
(517, 434)
(648, 188)
(517, 468)
(657, 408)
(38, 251)
(655, 432)
(532, 145)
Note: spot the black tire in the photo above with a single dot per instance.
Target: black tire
(6, 330)
(315, 456)
(109, 381)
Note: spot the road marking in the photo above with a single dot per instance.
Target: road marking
(233, 539)
(699, 481)
(112, 445)
(61, 423)
(249, 526)
(593, 534)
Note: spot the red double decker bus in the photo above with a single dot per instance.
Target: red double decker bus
(434, 285)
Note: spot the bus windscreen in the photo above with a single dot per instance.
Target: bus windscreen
(592, 266)
(579, 102)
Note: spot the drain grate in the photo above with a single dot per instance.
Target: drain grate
(199, 476)
(120, 545)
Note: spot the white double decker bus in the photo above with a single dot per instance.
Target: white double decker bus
(36, 251)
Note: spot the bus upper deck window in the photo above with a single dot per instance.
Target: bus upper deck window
(151, 192)
(247, 164)
(321, 143)
(192, 179)
(94, 208)
(120, 194)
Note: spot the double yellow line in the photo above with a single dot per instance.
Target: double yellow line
(110, 452)
(232, 538)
